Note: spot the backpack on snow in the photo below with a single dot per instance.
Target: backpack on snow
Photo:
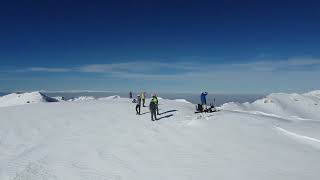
(199, 108)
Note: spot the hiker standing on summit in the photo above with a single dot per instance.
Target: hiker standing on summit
(138, 106)
(157, 103)
(143, 98)
(153, 108)
(203, 98)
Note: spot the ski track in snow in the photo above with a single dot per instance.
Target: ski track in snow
(301, 138)
(259, 113)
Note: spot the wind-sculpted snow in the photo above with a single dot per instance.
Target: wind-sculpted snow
(304, 139)
(313, 93)
(59, 98)
(83, 98)
(105, 139)
(90, 98)
(15, 99)
(110, 97)
(288, 106)
(182, 100)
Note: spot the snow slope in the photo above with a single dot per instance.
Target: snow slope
(24, 98)
(105, 139)
(110, 97)
(90, 98)
(315, 93)
(182, 100)
(82, 98)
(282, 105)
(59, 98)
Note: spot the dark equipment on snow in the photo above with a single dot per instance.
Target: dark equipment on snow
(200, 109)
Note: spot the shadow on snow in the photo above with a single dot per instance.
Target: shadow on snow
(168, 111)
(167, 116)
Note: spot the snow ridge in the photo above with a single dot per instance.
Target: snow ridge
(304, 139)
(290, 106)
(83, 98)
(105, 139)
(15, 99)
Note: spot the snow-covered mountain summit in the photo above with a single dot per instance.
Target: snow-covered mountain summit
(289, 106)
(315, 93)
(105, 139)
(24, 98)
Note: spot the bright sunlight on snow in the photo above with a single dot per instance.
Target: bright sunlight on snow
(277, 138)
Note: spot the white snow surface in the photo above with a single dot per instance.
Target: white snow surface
(15, 99)
(105, 139)
(182, 100)
(315, 93)
(288, 106)
(109, 97)
(90, 98)
(83, 98)
(59, 98)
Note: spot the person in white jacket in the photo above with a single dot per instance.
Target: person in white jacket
(143, 98)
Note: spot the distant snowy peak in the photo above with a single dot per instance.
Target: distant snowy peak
(289, 106)
(82, 98)
(59, 98)
(110, 97)
(90, 98)
(24, 98)
(182, 100)
(313, 93)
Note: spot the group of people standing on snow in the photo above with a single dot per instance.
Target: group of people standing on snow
(153, 106)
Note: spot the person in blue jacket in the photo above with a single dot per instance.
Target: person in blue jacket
(203, 98)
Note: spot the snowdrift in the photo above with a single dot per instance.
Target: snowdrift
(59, 98)
(83, 98)
(313, 93)
(24, 98)
(109, 97)
(90, 98)
(289, 106)
(182, 100)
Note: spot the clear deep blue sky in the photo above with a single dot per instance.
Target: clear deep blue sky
(228, 46)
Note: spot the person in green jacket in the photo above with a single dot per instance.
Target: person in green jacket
(157, 103)
(143, 98)
(153, 108)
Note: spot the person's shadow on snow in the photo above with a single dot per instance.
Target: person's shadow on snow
(167, 116)
(168, 111)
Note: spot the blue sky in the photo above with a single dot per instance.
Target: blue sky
(229, 46)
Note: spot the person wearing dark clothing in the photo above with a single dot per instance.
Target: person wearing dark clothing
(157, 104)
(153, 108)
(138, 106)
(203, 98)
(130, 95)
